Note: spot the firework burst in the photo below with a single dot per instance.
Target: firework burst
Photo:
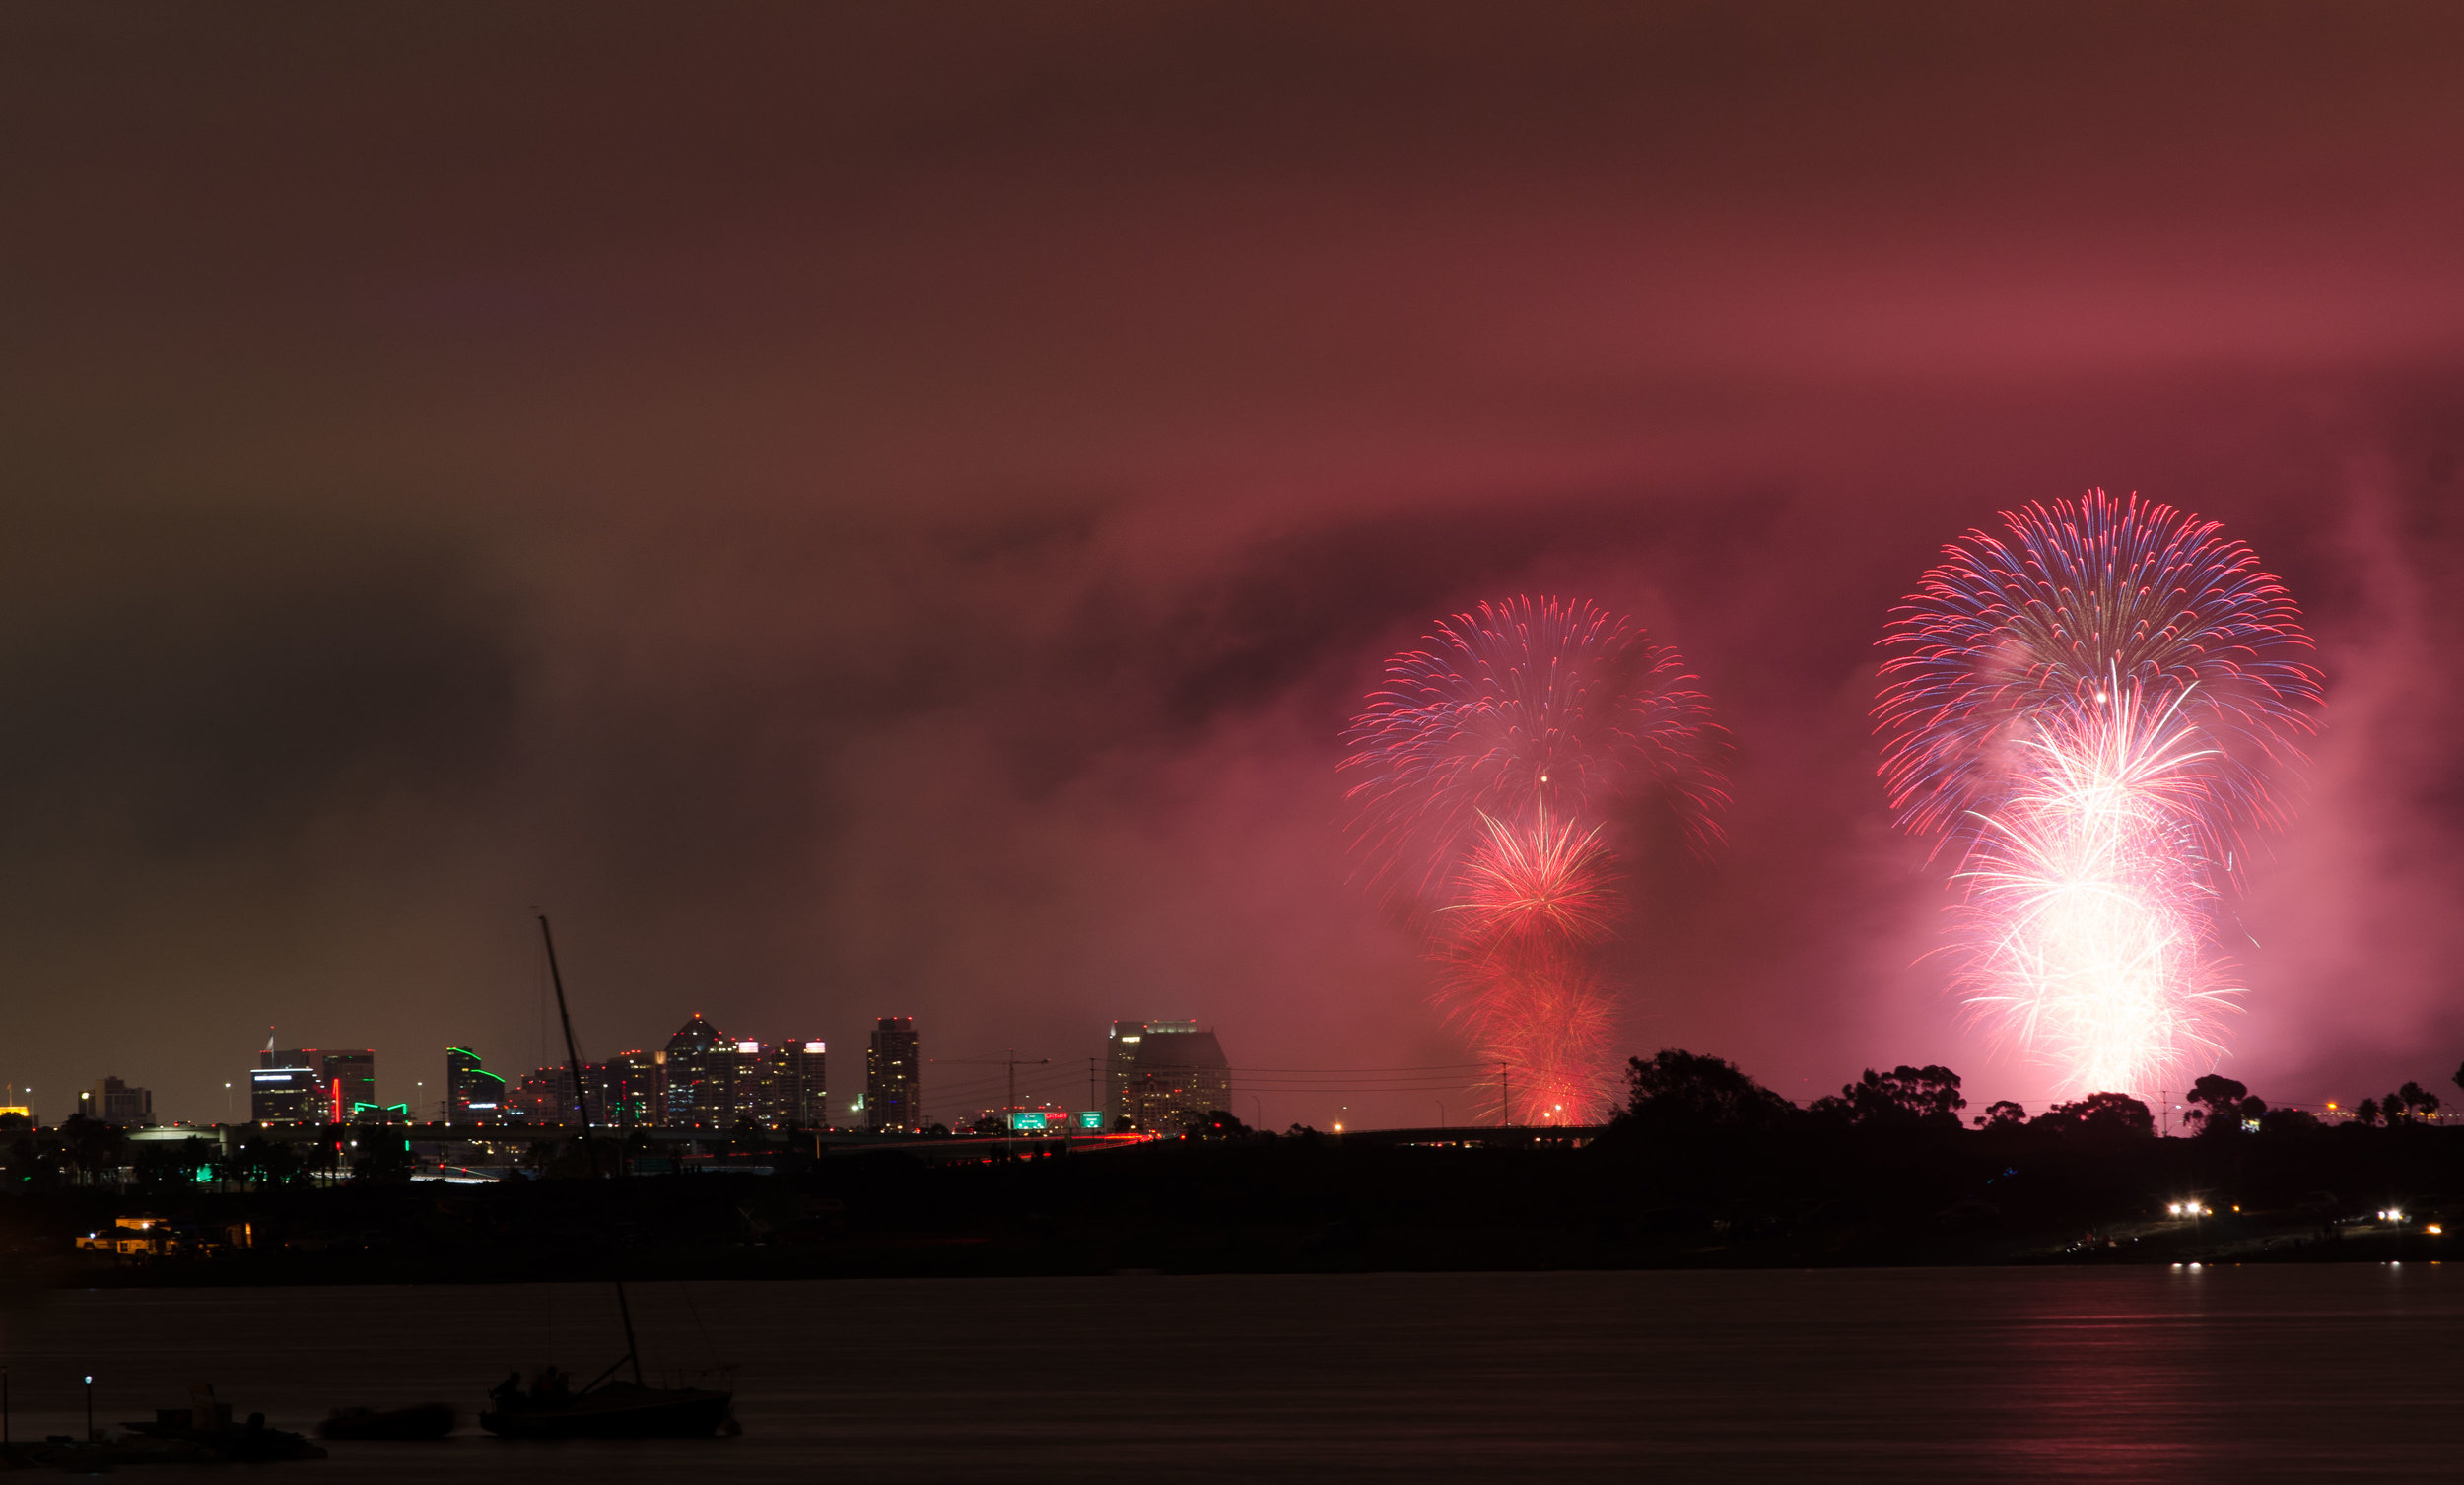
(1481, 772)
(2090, 709)
(1547, 881)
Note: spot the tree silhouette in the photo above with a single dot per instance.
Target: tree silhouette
(1902, 1096)
(1680, 1090)
(384, 1160)
(2410, 1098)
(2220, 1099)
(2001, 1114)
(2103, 1116)
(1219, 1123)
(169, 1165)
(93, 1147)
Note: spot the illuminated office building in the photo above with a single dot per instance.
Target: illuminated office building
(1160, 1075)
(701, 1076)
(472, 1094)
(281, 1091)
(894, 1078)
(791, 1085)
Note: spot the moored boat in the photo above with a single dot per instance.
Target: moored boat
(611, 1410)
(429, 1420)
(208, 1426)
(606, 1408)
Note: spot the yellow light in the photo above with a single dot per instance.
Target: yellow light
(2434, 1229)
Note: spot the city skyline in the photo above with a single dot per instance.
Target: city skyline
(923, 563)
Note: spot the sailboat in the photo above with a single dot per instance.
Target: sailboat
(609, 1407)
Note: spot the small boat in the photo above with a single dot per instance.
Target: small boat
(610, 1411)
(429, 1420)
(605, 1408)
(208, 1426)
(88, 1456)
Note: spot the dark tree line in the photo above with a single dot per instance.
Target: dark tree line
(1676, 1091)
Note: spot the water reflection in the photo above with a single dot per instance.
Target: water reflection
(1883, 1375)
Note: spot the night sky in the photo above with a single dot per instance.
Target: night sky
(870, 510)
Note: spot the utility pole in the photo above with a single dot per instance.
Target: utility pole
(1012, 1063)
(1505, 1099)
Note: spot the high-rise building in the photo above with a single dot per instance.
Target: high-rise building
(350, 1081)
(894, 1077)
(791, 1085)
(701, 1076)
(116, 1103)
(628, 1089)
(545, 1096)
(472, 1094)
(1163, 1074)
(285, 1089)
(1121, 1065)
(345, 1079)
(750, 1055)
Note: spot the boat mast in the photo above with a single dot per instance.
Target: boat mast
(582, 1105)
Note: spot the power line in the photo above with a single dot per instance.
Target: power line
(1422, 1067)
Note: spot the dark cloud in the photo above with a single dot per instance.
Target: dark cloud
(179, 686)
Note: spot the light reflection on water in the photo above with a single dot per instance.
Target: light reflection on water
(2281, 1373)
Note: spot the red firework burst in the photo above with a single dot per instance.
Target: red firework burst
(1520, 886)
(1482, 771)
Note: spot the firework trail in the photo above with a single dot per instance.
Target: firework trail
(2088, 710)
(1481, 772)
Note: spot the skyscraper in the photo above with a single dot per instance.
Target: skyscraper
(701, 1076)
(350, 1081)
(1164, 1073)
(285, 1089)
(791, 1085)
(751, 1056)
(472, 1094)
(545, 1096)
(1121, 1065)
(894, 1078)
(628, 1089)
